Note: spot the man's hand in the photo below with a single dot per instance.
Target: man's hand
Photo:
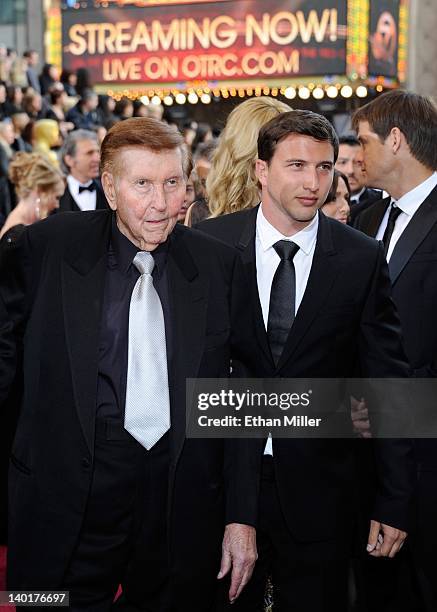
(384, 541)
(238, 551)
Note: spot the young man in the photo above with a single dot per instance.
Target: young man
(320, 297)
(398, 133)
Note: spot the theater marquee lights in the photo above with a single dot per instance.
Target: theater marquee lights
(157, 49)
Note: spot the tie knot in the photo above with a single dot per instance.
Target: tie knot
(286, 249)
(395, 211)
(144, 262)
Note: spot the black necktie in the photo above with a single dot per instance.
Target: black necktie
(394, 214)
(282, 298)
(91, 187)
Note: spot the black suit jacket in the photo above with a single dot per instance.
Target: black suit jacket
(67, 203)
(346, 316)
(51, 292)
(367, 198)
(412, 268)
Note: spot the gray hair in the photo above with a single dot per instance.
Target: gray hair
(70, 145)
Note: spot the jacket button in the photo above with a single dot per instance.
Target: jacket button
(86, 463)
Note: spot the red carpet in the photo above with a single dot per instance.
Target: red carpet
(3, 577)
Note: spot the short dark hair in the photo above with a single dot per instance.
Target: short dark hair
(413, 114)
(349, 139)
(303, 122)
(333, 191)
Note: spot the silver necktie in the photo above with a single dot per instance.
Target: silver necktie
(147, 411)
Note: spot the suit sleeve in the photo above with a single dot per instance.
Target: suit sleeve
(242, 456)
(382, 356)
(15, 280)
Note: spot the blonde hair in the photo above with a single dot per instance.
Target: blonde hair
(232, 184)
(29, 171)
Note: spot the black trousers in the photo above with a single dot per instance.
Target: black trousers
(123, 539)
(306, 577)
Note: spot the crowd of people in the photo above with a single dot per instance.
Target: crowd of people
(190, 252)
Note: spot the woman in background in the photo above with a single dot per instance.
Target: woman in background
(38, 184)
(231, 184)
(337, 201)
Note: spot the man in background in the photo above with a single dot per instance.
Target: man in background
(350, 162)
(398, 134)
(80, 157)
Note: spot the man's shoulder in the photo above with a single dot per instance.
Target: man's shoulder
(348, 238)
(228, 227)
(202, 244)
(68, 226)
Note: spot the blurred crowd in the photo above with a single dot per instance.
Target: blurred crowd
(41, 109)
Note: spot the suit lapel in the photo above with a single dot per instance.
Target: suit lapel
(188, 293)
(246, 245)
(413, 235)
(324, 270)
(83, 277)
(375, 215)
(70, 201)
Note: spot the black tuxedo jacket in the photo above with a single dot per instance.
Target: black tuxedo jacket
(68, 203)
(412, 268)
(346, 316)
(51, 291)
(367, 198)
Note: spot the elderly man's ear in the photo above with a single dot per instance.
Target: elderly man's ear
(108, 184)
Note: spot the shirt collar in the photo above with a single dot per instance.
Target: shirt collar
(410, 201)
(124, 251)
(269, 235)
(74, 184)
(356, 196)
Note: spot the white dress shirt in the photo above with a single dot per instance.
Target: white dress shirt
(87, 200)
(409, 203)
(267, 261)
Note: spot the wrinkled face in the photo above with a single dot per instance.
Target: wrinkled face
(147, 190)
(339, 207)
(377, 155)
(296, 182)
(350, 162)
(84, 164)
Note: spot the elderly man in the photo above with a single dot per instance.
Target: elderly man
(105, 489)
(80, 159)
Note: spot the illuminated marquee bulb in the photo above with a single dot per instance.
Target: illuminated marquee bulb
(332, 91)
(168, 100)
(205, 98)
(156, 100)
(318, 93)
(304, 93)
(346, 91)
(193, 98)
(180, 98)
(145, 100)
(361, 91)
(290, 93)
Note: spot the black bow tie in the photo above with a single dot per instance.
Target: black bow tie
(91, 187)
